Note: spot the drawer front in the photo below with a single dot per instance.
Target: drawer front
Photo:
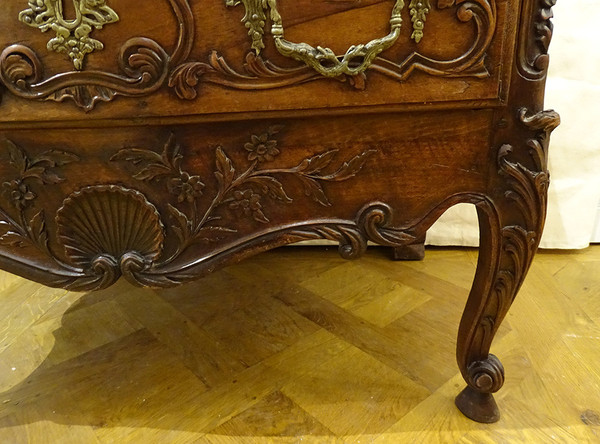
(179, 57)
(165, 204)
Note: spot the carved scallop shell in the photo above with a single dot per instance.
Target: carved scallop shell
(108, 220)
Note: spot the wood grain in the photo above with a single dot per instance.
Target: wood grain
(105, 367)
(255, 143)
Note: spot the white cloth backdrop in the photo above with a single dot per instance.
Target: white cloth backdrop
(573, 89)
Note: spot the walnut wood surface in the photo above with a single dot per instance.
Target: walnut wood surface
(177, 146)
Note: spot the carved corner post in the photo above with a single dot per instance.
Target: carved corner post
(511, 217)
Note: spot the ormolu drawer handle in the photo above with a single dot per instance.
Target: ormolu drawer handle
(323, 60)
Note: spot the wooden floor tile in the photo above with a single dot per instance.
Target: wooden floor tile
(295, 346)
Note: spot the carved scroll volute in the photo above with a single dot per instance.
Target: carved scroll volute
(261, 74)
(534, 39)
(142, 63)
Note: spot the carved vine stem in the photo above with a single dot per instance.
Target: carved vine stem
(27, 227)
(241, 192)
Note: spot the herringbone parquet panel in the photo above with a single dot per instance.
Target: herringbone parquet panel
(297, 345)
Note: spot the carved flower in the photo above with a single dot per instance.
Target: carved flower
(19, 193)
(186, 187)
(248, 202)
(262, 148)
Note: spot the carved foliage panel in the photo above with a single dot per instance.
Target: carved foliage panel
(166, 205)
(143, 212)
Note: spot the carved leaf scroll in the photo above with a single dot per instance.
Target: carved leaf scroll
(261, 74)
(143, 64)
(535, 40)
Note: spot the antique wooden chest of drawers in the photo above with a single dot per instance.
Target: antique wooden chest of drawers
(160, 140)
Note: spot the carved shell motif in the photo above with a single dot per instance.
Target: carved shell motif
(109, 220)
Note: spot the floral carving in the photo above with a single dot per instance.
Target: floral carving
(262, 148)
(72, 36)
(23, 226)
(243, 193)
(186, 187)
(248, 202)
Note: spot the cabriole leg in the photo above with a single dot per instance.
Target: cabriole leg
(511, 221)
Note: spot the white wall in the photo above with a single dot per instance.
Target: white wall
(573, 89)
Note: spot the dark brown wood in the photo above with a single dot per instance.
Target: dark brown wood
(410, 252)
(177, 144)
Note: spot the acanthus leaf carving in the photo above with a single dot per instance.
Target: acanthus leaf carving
(535, 40)
(517, 239)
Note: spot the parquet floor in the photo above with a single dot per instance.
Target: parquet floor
(297, 345)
